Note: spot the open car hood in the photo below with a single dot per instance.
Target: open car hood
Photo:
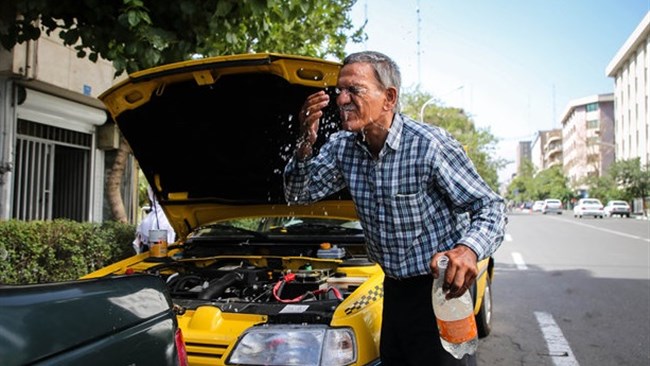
(213, 135)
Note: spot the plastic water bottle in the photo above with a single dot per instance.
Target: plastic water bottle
(455, 317)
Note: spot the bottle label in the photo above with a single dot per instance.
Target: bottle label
(458, 331)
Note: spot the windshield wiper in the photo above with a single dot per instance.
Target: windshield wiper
(321, 228)
(216, 230)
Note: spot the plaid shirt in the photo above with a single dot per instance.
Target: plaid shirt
(410, 201)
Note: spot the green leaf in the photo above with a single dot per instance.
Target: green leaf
(133, 18)
(223, 8)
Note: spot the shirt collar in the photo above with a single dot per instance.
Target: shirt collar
(395, 132)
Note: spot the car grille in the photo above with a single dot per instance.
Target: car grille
(204, 353)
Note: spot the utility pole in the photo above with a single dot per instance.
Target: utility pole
(417, 12)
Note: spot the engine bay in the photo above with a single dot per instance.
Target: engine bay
(261, 284)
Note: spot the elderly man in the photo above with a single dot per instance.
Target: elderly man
(410, 183)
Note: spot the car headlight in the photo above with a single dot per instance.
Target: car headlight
(303, 345)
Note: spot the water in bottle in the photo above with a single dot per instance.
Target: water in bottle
(455, 317)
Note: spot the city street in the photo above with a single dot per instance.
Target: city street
(570, 291)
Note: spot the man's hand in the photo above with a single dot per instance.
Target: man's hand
(309, 117)
(461, 270)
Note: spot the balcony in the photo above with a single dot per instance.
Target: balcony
(551, 150)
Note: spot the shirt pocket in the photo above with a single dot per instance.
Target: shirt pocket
(407, 213)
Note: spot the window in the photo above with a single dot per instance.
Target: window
(594, 123)
(52, 173)
(594, 140)
(592, 107)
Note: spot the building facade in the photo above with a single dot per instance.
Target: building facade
(546, 149)
(57, 142)
(552, 150)
(523, 155)
(587, 138)
(629, 69)
(536, 151)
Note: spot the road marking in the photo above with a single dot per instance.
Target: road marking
(507, 237)
(605, 230)
(519, 261)
(558, 347)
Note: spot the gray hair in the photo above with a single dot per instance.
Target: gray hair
(386, 70)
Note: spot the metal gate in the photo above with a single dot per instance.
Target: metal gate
(51, 173)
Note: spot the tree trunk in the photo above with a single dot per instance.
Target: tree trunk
(114, 182)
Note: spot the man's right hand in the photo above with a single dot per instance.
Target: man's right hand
(309, 117)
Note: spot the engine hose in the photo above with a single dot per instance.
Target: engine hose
(217, 287)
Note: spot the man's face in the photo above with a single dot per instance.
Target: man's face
(361, 99)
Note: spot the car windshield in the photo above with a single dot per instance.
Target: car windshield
(278, 228)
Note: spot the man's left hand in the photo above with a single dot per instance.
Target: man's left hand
(461, 270)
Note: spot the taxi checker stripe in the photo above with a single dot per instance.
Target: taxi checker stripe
(372, 296)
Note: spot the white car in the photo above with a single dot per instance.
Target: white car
(616, 207)
(588, 207)
(537, 206)
(552, 205)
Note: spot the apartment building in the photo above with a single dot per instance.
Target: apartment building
(552, 149)
(587, 138)
(56, 143)
(546, 149)
(629, 69)
(523, 155)
(536, 151)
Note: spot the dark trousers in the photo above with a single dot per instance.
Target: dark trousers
(409, 334)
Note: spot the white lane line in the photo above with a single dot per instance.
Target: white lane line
(507, 237)
(558, 347)
(519, 261)
(603, 229)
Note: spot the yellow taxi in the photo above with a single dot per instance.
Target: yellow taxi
(254, 281)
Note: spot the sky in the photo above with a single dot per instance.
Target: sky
(514, 66)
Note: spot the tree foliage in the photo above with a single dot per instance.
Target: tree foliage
(521, 188)
(139, 34)
(479, 143)
(633, 179)
(551, 183)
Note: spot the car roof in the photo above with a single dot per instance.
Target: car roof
(212, 136)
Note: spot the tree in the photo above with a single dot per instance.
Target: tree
(478, 142)
(139, 34)
(522, 187)
(604, 188)
(632, 178)
(551, 183)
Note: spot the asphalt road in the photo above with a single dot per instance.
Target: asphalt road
(569, 292)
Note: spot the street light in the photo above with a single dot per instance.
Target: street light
(433, 99)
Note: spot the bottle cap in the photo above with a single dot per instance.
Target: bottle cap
(443, 261)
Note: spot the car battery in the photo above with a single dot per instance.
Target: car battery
(304, 282)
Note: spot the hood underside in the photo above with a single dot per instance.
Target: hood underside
(212, 136)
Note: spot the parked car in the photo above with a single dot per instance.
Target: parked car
(552, 205)
(121, 320)
(588, 207)
(616, 207)
(257, 281)
(537, 206)
(526, 207)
